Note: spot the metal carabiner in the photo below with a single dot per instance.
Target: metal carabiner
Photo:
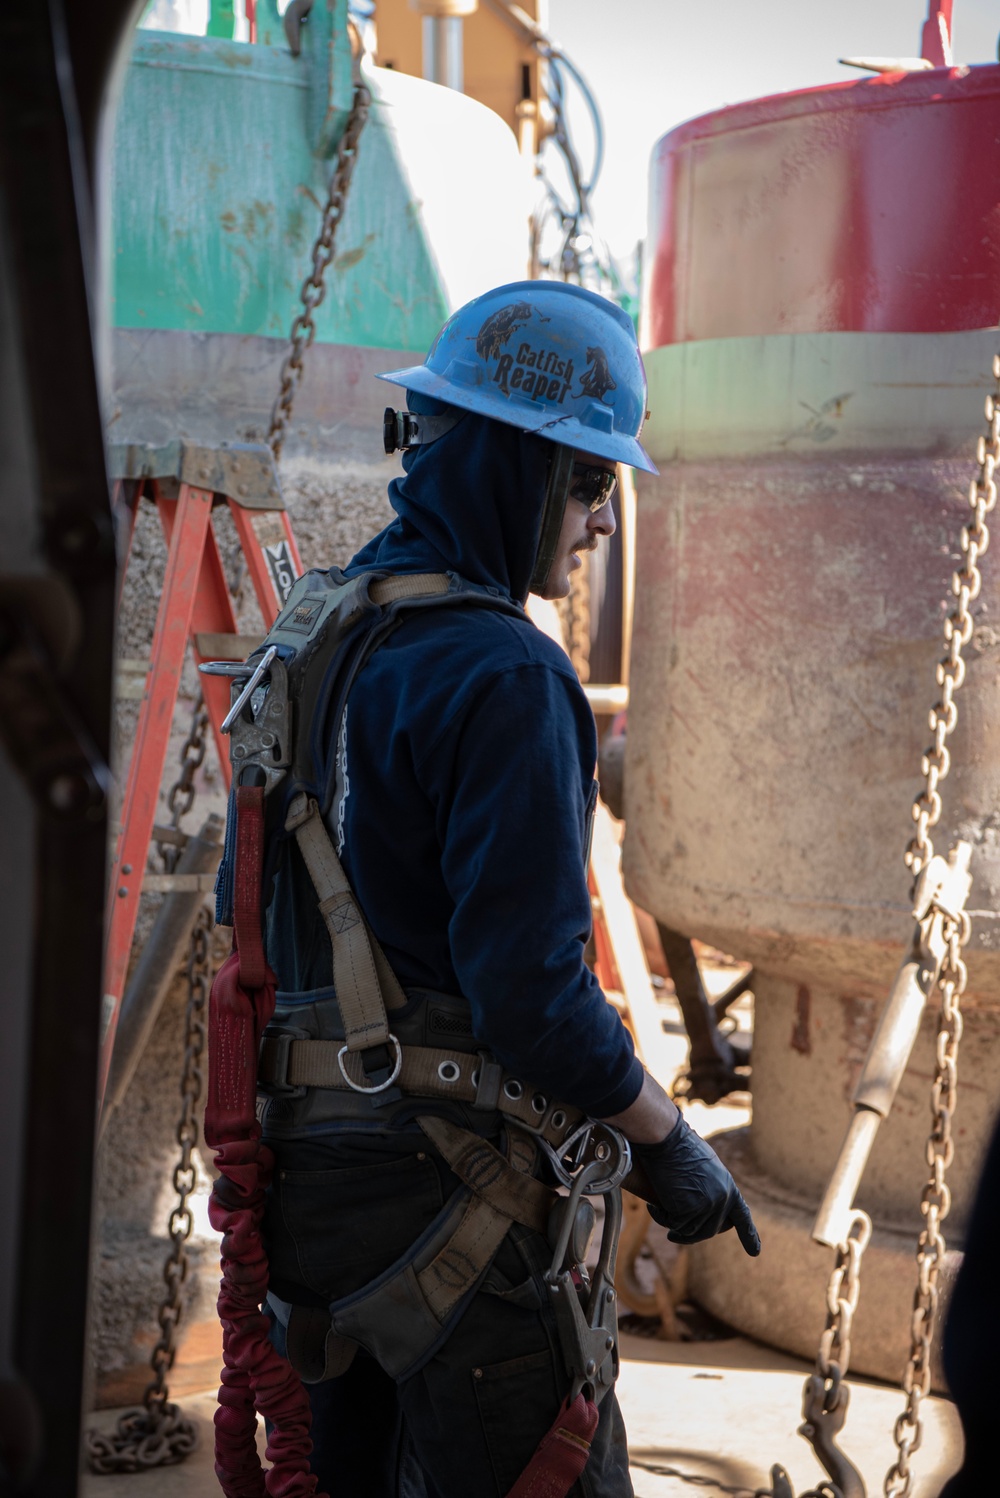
(262, 667)
(589, 1334)
(570, 1158)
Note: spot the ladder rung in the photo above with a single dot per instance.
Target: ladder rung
(131, 672)
(178, 884)
(219, 647)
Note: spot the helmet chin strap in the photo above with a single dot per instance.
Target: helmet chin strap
(553, 510)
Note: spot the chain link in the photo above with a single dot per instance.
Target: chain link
(180, 798)
(935, 1203)
(157, 1434)
(966, 583)
(574, 616)
(314, 286)
(842, 1294)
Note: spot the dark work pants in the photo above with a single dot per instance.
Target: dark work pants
(467, 1423)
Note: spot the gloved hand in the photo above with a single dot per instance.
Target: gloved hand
(697, 1196)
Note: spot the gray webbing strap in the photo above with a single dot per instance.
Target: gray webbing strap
(468, 1252)
(409, 585)
(364, 982)
(400, 1316)
(501, 1195)
(507, 1188)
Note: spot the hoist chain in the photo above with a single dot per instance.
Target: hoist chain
(157, 1434)
(314, 286)
(935, 1203)
(842, 1294)
(180, 798)
(966, 583)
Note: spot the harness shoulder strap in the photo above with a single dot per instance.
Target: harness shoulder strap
(409, 585)
(365, 984)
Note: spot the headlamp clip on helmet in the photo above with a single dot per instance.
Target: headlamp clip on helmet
(402, 430)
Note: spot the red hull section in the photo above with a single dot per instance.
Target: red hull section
(867, 206)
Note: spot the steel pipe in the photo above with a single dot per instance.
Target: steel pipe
(160, 959)
(880, 1077)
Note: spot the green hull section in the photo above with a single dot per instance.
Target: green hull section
(809, 393)
(221, 168)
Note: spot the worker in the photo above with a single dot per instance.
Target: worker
(461, 767)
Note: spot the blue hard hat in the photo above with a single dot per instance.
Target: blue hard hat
(545, 356)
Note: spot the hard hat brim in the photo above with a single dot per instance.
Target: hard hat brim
(529, 416)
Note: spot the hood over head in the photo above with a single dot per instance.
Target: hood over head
(469, 502)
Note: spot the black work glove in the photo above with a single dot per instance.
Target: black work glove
(697, 1196)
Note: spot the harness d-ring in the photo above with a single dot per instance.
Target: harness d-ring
(380, 1086)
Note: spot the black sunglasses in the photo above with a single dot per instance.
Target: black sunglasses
(592, 485)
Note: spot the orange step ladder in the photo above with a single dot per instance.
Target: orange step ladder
(186, 482)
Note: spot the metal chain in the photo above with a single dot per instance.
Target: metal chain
(842, 1294)
(966, 583)
(314, 286)
(698, 1480)
(935, 1202)
(157, 1434)
(180, 798)
(574, 615)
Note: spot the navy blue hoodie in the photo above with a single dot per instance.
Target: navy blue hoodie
(470, 755)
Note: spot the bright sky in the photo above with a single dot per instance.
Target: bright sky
(654, 63)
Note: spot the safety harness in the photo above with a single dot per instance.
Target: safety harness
(378, 1058)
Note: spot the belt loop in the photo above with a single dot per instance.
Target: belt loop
(487, 1079)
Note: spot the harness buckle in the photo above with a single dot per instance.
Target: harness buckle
(588, 1333)
(279, 1050)
(593, 1144)
(376, 1086)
